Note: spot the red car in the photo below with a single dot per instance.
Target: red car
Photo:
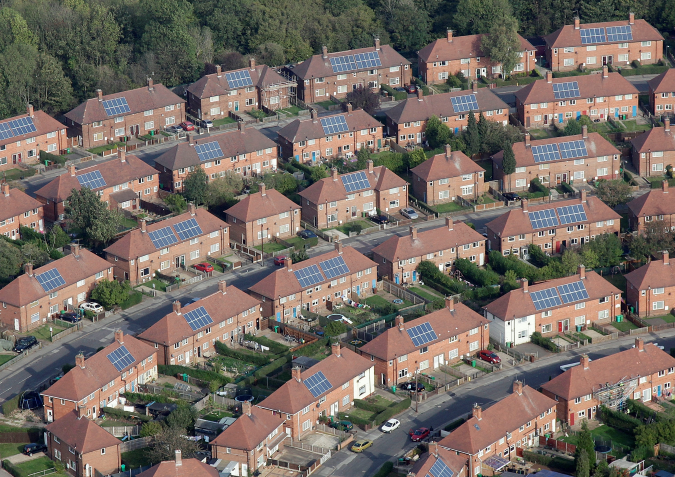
(489, 356)
(419, 434)
(279, 260)
(187, 126)
(204, 267)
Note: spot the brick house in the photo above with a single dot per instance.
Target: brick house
(398, 257)
(656, 205)
(550, 307)
(650, 288)
(24, 136)
(33, 297)
(552, 226)
(99, 381)
(510, 423)
(643, 372)
(446, 176)
(654, 150)
(82, 446)
(331, 202)
(254, 437)
(463, 54)
(336, 74)
(245, 151)
(169, 244)
(181, 467)
(662, 93)
(437, 463)
(315, 283)
(557, 100)
(593, 45)
(460, 332)
(407, 121)
(259, 217)
(189, 333)
(325, 389)
(333, 135)
(18, 209)
(571, 159)
(122, 183)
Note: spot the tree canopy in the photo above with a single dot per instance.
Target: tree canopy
(85, 210)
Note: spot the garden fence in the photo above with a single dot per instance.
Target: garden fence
(121, 431)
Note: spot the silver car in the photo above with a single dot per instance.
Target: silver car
(409, 213)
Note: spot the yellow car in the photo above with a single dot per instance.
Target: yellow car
(360, 446)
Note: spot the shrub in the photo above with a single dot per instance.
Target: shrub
(369, 406)
(201, 374)
(111, 411)
(545, 343)
(619, 420)
(258, 360)
(538, 256)
(335, 328)
(502, 264)
(391, 411)
(537, 186)
(567, 188)
(385, 470)
(641, 453)
(476, 275)
(268, 369)
(134, 299)
(56, 159)
(454, 424)
(398, 95)
(111, 292)
(438, 280)
(150, 429)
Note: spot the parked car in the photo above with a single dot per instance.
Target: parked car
(380, 219)
(92, 306)
(30, 400)
(342, 425)
(411, 88)
(187, 126)
(204, 267)
(175, 129)
(30, 449)
(391, 425)
(409, 213)
(306, 234)
(411, 386)
(206, 123)
(360, 446)
(419, 434)
(278, 261)
(489, 356)
(400, 89)
(70, 317)
(25, 343)
(511, 196)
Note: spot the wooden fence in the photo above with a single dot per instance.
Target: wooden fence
(135, 444)
(121, 431)
(557, 445)
(400, 292)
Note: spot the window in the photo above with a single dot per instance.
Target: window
(603, 314)
(623, 57)
(646, 43)
(657, 305)
(568, 62)
(646, 55)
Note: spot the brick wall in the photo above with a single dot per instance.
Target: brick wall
(27, 151)
(106, 461)
(35, 220)
(438, 193)
(339, 145)
(568, 59)
(654, 163)
(250, 233)
(476, 67)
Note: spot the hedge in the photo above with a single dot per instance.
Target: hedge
(545, 343)
(134, 299)
(385, 470)
(566, 188)
(9, 467)
(556, 462)
(476, 275)
(502, 264)
(642, 411)
(56, 159)
(398, 95)
(11, 405)
(454, 424)
(619, 420)
(258, 360)
(311, 349)
(391, 411)
(361, 404)
(268, 369)
(201, 374)
(129, 415)
(644, 70)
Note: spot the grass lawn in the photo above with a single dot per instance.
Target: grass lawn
(8, 450)
(134, 459)
(6, 357)
(231, 364)
(220, 122)
(35, 465)
(159, 285)
(632, 125)
(448, 207)
(424, 294)
(624, 326)
(361, 414)
(376, 300)
(216, 415)
(299, 242)
(216, 267)
(618, 281)
(270, 247)
(107, 147)
(365, 224)
(42, 333)
(15, 174)
(326, 104)
(539, 133)
(128, 223)
(607, 432)
(667, 318)
(291, 110)
(487, 199)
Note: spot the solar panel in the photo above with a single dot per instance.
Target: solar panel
(367, 60)
(566, 90)
(355, 181)
(308, 276)
(238, 79)
(22, 126)
(5, 131)
(334, 267)
(545, 153)
(334, 124)
(187, 229)
(198, 318)
(92, 180)
(572, 149)
(317, 384)
(574, 291)
(620, 33)
(439, 469)
(542, 219)
(343, 63)
(50, 280)
(571, 213)
(462, 104)
(116, 106)
(163, 237)
(592, 35)
(121, 358)
(209, 151)
(422, 334)
(547, 298)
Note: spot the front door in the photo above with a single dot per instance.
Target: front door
(16, 322)
(180, 260)
(16, 158)
(334, 409)
(658, 390)
(480, 260)
(545, 118)
(647, 394)
(236, 105)
(358, 290)
(607, 60)
(50, 415)
(564, 177)
(563, 325)
(353, 211)
(397, 280)
(187, 356)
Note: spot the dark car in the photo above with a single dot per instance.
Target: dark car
(278, 261)
(411, 88)
(204, 267)
(400, 90)
(25, 343)
(69, 316)
(489, 356)
(30, 400)
(342, 425)
(306, 234)
(419, 434)
(411, 386)
(510, 196)
(380, 219)
(30, 449)
(174, 129)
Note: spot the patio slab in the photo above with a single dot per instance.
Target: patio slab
(319, 439)
(531, 348)
(592, 334)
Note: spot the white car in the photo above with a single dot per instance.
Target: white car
(409, 213)
(390, 425)
(92, 306)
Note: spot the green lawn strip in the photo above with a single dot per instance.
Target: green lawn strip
(128, 223)
(6, 357)
(326, 104)
(217, 415)
(291, 110)
(361, 414)
(33, 466)
(8, 450)
(632, 125)
(618, 281)
(42, 333)
(624, 326)
(615, 435)
(16, 174)
(270, 247)
(220, 122)
(216, 266)
(376, 300)
(134, 459)
(107, 147)
(667, 318)
(539, 133)
(159, 285)
(448, 207)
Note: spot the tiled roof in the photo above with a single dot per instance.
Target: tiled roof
(468, 46)
(139, 100)
(568, 36)
(455, 462)
(283, 282)
(655, 202)
(25, 288)
(249, 430)
(173, 327)
(259, 205)
(307, 129)
(506, 415)
(656, 139)
(98, 371)
(232, 143)
(262, 76)
(590, 86)
(631, 363)
(663, 83)
(396, 341)
(516, 221)
(82, 434)
(187, 468)
(446, 166)
(15, 202)
(655, 274)
(519, 303)
(440, 105)
(137, 243)
(43, 122)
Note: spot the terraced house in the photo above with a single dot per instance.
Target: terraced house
(650, 288)
(18, 209)
(662, 93)
(552, 227)
(553, 307)
(245, 151)
(439, 462)
(97, 382)
(654, 207)
(442, 337)
(137, 112)
(654, 150)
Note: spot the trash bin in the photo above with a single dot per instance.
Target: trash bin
(619, 318)
(152, 133)
(473, 363)
(68, 150)
(579, 328)
(508, 344)
(393, 389)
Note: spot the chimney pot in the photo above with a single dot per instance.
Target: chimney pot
(369, 163)
(584, 196)
(262, 187)
(338, 247)
(81, 411)
(143, 225)
(350, 108)
(527, 139)
(666, 124)
(584, 361)
(526, 284)
(79, 360)
(413, 232)
(605, 71)
(295, 372)
(151, 84)
(99, 94)
(474, 86)
(5, 189)
(377, 43)
(241, 125)
(119, 336)
(581, 271)
(179, 457)
(450, 303)
(28, 269)
(335, 348)
(664, 186)
(420, 94)
(176, 307)
(518, 387)
(288, 264)
(324, 52)
(219, 70)
(71, 169)
(666, 257)
(75, 249)
(576, 23)
(477, 412)
(192, 208)
(191, 139)
(334, 173)
(523, 204)
(584, 131)
(246, 408)
(448, 151)
(449, 35)
(449, 223)
(251, 63)
(399, 322)
(549, 76)
(122, 154)
(222, 287)
(29, 110)
(640, 344)
(312, 114)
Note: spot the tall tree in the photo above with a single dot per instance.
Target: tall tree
(167, 442)
(508, 161)
(502, 44)
(480, 16)
(585, 444)
(195, 186)
(583, 468)
(364, 98)
(85, 211)
(483, 132)
(436, 132)
(10, 260)
(472, 135)
(614, 193)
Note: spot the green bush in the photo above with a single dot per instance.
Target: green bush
(641, 411)
(9, 467)
(268, 369)
(11, 405)
(641, 453)
(134, 299)
(385, 470)
(502, 264)
(111, 411)
(56, 159)
(398, 95)
(619, 420)
(538, 256)
(454, 424)
(545, 343)
(258, 360)
(436, 279)
(368, 406)
(476, 275)
(391, 411)
(312, 349)
(201, 374)
(537, 186)
(567, 188)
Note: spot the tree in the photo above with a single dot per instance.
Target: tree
(502, 44)
(300, 256)
(589, 258)
(570, 262)
(57, 238)
(585, 444)
(150, 429)
(508, 161)
(195, 186)
(639, 248)
(34, 254)
(607, 248)
(362, 158)
(167, 442)
(224, 189)
(583, 468)
(472, 136)
(572, 128)
(602, 469)
(318, 173)
(437, 133)
(271, 54)
(283, 183)
(109, 293)
(10, 260)
(483, 132)
(176, 202)
(335, 328)
(614, 193)
(364, 98)
(416, 157)
(480, 16)
(181, 418)
(409, 27)
(85, 210)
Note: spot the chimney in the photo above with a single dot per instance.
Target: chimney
(584, 131)
(377, 44)
(450, 303)
(75, 249)
(664, 187)
(191, 139)
(666, 257)
(584, 361)
(79, 360)
(263, 192)
(288, 264)
(241, 125)
(335, 348)
(338, 247)
(518, 387)
(334, 174)
(295, 374)
(369, 162)
(576, 23)
(143, 225)
(666, 124)
(413, 232)
(449, 223)
(5, 189)
(119, 336)
(477, 412)
(420, 94)
(448, 151)
(640, 344)
(324, 52)
(222, 287)
(122, 154)
(29, 110)
(151, 84)
(549, 76)
(584, 195)
(581, 271)
(527, 139)
(191, 208)
(312, 114)
(350, 108)
(474, 86)
(28, 269)
(605, 71)
(246, 408)
(631, 18)
(176, 307)
(179, 457)
(251, 63)
(81, 411)
(399, 322)
(219, 70)
(71, 169)
(526, 284)
(449, 35)
(523, 204)
(99, 94)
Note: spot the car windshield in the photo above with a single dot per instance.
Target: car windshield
(419, 432)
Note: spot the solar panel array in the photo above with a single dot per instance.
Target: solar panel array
(356, 181)
(208, 151)
(422, 334)
(574, 291)
(572, 149)
(5, 131)
(597, 35)
(17, 127)
(92, 180)
(592, 35)
(116, 106)
(462, 104)
(334, 267)
(121, 358)
(439, 469)
(543, 219)
(238, 79)
(317, 384)
(566, 90)
(50, 280)
(545, 153)
(198, 318)
(571, 213)
(358, 61)
(343, 63)
(163, 237)
(308, 276)
(547, 298)
(620, 33)
(187, 229)
(334, 125)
